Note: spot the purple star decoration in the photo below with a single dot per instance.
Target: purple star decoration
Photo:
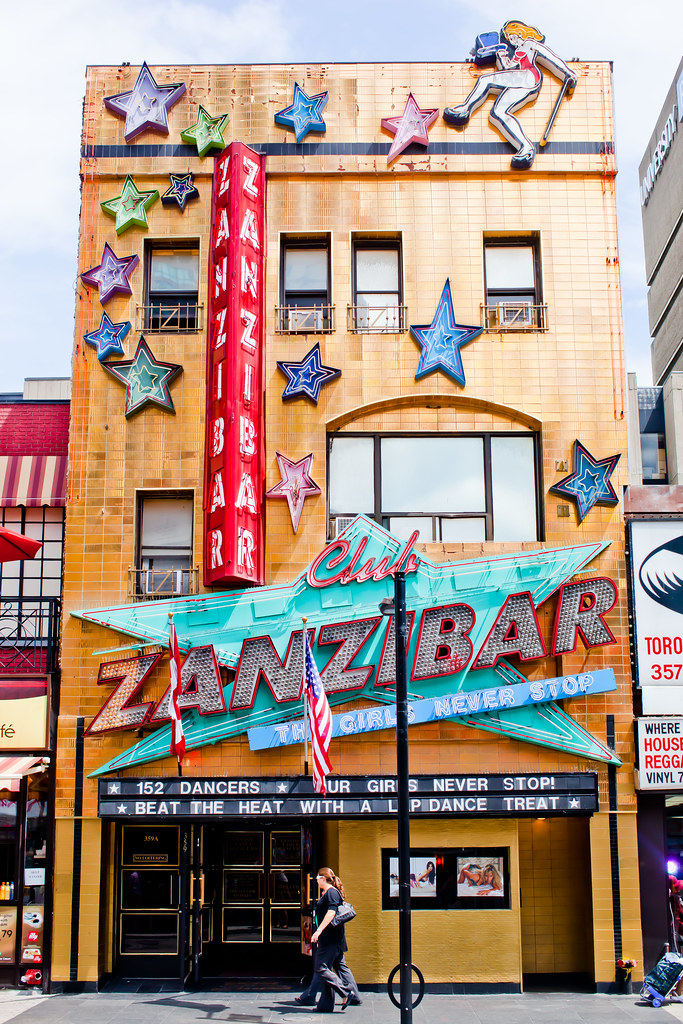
(146, 105)
(108, 338)
(111, 276)
(411, 126)
(295, 485)
(589, 484)
(442, 340)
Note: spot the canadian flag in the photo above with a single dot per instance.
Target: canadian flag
(177, 734)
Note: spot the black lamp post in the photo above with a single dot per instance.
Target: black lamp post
(398, 608)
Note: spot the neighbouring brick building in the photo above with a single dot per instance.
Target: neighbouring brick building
(388, 320)
(34, 438)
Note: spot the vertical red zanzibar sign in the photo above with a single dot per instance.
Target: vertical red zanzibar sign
(234, 461)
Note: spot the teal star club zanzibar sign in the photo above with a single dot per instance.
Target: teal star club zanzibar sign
(465, 619)
(147, 379)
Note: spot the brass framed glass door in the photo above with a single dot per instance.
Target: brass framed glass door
(255, 892)
(152, 937)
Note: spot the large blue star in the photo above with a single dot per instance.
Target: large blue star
(146, 105)
(112, 275)
(304, 114)
(146, 379)
(442, 340)
(180, 191)
(589, 484)
(108, 337)
(307, 377)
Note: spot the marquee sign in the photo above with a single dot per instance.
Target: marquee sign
(234, 461)
(468, 796)
(466, 618)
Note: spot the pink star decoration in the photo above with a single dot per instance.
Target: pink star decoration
(295, 485)
(411, 126)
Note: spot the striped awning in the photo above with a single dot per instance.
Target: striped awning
(33, 480)
(13, 769)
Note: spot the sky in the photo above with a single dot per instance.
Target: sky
(48, 44)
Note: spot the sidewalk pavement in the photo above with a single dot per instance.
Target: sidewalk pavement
(280, 1008)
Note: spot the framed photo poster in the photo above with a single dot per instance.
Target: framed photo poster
(455, 878)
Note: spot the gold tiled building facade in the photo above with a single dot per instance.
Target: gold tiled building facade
(530, 254)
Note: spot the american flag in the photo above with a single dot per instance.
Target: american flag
(321, 719)
(177, 734)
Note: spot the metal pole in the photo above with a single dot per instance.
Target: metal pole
(402, 771)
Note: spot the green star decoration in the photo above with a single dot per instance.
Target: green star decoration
(147, 379)
(207, 132)
(130, 208)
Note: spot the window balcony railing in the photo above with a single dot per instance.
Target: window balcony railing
(376, 319)
(170, 318)
(29, 634)
(508, 317)
(304, 319)
(153, 584)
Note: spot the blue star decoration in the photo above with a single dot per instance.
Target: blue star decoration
(147, 379)
(180, 191)
(146, 105)
(108, 338)
(306, 378)
(589, 484)
(305, 113)
(442, 340)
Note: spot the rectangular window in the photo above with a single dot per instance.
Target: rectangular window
(453, 489)
(512, 284)
(305, 287)
(164, 566)
(171, 289)
(377, 292)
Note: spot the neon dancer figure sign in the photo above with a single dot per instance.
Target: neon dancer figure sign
(465, 618)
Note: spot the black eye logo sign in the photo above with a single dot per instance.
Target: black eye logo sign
(661, 575)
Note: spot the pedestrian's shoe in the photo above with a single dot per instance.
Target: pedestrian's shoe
(304, 1002)
(355, 1002)
(456, 115)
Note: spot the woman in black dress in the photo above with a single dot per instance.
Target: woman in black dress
(330, 939)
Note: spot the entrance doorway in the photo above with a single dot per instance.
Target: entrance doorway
(255, 893)
(211, 903)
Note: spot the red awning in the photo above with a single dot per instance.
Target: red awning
(33, 480)
(13, 769)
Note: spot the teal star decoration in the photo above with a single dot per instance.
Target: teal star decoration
(130, 208)
(147, 379)
(108, 338)
(207, 132)
(442, 340)
(589, 484)
(304, 114)
(180, 191)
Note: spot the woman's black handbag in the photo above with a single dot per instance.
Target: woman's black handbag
(345, 913)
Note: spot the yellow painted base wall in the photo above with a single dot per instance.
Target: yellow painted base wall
(447, 944)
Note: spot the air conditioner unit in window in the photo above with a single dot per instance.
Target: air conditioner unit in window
(305, 320)
(341, 522)
(516, 314)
